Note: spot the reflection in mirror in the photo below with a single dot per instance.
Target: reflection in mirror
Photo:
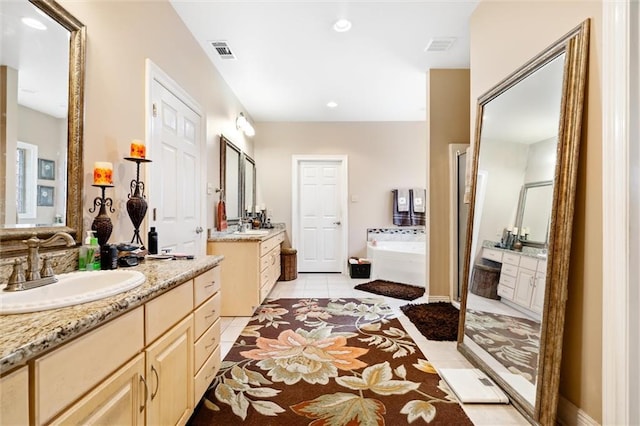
(41, 80)
(526, 146)
(534, 212)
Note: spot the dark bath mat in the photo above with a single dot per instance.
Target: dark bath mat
(436, 321)
(391, 289)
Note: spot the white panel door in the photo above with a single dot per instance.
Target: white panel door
(320, 191)
(175, 173)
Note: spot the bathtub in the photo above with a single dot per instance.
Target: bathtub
(398, 261)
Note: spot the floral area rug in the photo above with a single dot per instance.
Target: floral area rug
(513, 341)
(327, 362)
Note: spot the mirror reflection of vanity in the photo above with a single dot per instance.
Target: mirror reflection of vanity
(237, 181)
(519, 233)
(42, 72)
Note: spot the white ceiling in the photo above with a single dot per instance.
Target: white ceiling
(290, 63)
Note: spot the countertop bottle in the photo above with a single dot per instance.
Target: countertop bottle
(153, 241)
(88, 253)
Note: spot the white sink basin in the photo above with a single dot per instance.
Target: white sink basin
(252, 232)
(71, 289)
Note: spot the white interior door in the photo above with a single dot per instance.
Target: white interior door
(320, 194)
(175, 196)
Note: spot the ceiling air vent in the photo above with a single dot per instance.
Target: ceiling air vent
(440, 44)
(223, 49)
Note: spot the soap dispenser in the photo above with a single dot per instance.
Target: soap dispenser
(88, 253)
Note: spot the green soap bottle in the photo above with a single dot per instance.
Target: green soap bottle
(88, 253)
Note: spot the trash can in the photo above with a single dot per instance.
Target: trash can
(358, 269)
(485, 278)
(288, 264)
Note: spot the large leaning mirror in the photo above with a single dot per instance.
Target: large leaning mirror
(42, 96)
(519, 233)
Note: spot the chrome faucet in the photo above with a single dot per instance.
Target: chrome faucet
(34, 276)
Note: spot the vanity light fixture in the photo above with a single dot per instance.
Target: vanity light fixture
(342, 25)
(34, 23)
(243, 124)
(332, 104)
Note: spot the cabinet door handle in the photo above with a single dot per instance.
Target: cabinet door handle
(146, 393)
(210, 285)
(155, 373)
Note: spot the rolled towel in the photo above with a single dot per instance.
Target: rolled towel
(403, 200)
(419, 200)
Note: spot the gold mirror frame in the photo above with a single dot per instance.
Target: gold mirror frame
(575, 45)
(11, 239)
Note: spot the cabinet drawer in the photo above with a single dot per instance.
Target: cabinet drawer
(64, 375)
(265, 262)
(206, 344)
(205, 375)
(508, 280)
(166, 310)
(505, 292)
(529, 263)
(512, 259)
(206, 315)
(270, 244)
(509, 270)
(205, 285)
(490, 254)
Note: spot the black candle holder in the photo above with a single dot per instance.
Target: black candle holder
(136, 204)
(102, 223)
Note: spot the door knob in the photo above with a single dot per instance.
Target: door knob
(199, 230)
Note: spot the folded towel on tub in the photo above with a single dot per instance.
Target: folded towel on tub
(402, 196)
(401, 217)
(419, 200)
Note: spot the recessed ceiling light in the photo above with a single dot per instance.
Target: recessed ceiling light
(33, 23)
(342, 25)
(332, 104)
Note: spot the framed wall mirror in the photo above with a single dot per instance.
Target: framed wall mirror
(42, 66)
(230, 179)
(249, 177)
(524, 167)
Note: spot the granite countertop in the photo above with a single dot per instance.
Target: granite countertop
(235, 237)
(536, 253)
(25, 336)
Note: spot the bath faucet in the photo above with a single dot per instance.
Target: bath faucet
(34, 276)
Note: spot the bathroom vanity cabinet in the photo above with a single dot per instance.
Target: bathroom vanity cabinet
(251, 269)
(14, 397)
(522, 279)
(150, 365)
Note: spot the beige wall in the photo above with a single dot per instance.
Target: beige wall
(448, 123)
(120, 36)
(504, 35)
(381, 155)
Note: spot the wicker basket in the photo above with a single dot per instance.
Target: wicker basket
(288, 264)
(484, 279)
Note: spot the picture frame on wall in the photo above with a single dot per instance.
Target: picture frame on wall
(45, 195)
(46, 169)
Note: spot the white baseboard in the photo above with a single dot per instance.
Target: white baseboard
(434, 299)
(570, 415)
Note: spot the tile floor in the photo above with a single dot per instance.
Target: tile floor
(441, 354)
